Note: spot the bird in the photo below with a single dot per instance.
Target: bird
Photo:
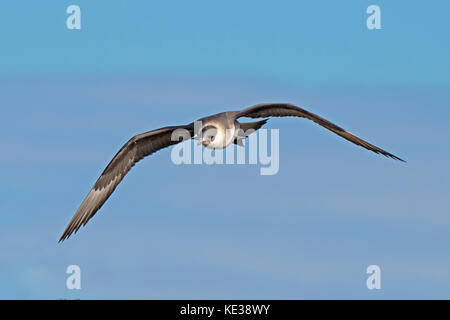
(214, 132)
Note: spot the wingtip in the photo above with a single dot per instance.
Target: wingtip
(66, 235)
(63, 237)
(396, 158)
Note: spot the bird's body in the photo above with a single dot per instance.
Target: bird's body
(214, 132)
(223, 126)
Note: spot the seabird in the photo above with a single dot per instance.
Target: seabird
(216, 132)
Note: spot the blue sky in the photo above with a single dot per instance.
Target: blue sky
(71, 98)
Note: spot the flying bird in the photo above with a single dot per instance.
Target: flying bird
(215, 132)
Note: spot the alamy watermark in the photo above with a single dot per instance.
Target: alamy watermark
(74, 280)
(74, 20)
(374, 280)
(258, 148)
(374, 20)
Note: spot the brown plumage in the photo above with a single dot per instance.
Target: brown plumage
(134, 150)
(147, 143)
(289, 110)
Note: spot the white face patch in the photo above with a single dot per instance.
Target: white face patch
(218, 137)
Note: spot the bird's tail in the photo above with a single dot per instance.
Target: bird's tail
(247, 129)
(253, 125)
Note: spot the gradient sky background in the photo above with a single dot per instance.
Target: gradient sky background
(71, 98)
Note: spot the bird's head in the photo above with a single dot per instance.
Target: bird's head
(208, 136)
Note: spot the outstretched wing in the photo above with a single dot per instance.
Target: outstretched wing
(289, 110)
(134, 150)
